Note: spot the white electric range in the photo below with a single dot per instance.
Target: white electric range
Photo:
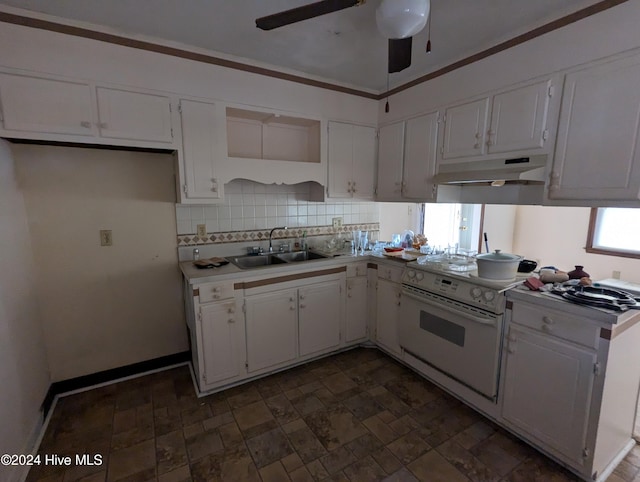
(453, 322)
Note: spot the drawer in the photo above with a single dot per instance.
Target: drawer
(356, 269)
(556, 323)
(390, 273)
(215, 292)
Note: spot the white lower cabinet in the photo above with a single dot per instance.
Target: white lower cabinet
(388, 311)
(271, 320)
(319, 317)
(357, 307)
(548, 384)
(569, 382)
(221, 342)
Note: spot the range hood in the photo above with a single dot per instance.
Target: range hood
(495, 172)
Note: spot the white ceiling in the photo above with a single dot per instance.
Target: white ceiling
(342, 47)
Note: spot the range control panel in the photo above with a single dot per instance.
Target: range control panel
(457, 289)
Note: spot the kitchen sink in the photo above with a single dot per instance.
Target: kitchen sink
(296, 256)
(255, 261)
(251, 261)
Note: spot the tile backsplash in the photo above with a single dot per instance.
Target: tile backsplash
(250, 205)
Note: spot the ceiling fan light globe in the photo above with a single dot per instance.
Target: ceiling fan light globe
(402, 18)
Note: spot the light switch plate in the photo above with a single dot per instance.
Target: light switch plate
(106, 239)
(337, 222)
(202, 230)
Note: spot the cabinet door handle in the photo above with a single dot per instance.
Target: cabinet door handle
(291, 299)
(292, 308)
(511, 350)
(548, 321)
(547, 328)
(302, 306)
(231, 320)
(478, 135)
(86, 124)
(349, 295)
(476, 145)
(302, 297)
(231, 310)
(103, 125)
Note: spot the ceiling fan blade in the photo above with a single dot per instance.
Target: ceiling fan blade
(303, 13)
(399, 54)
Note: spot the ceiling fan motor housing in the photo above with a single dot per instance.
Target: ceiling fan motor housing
(398, 19)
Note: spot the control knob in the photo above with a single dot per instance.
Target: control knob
(476, 292)
(419, 276)
(411, 273)
(489, 295)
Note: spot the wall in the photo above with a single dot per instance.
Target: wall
(499, 224)
(24, 375)
(396, 217)
(103, 307)
(250, 205)
(557, 235)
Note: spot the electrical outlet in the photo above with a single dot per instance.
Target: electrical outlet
(106, 239)
(202, 230)
(615, 275)
(337, 223)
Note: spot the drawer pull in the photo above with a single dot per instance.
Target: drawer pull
(547, 320)
(547, 328)
(231, 320)
(231, 310)
(302, 306)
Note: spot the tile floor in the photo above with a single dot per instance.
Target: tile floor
(356, 416)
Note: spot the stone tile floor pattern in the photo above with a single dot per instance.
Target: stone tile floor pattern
(355, 416)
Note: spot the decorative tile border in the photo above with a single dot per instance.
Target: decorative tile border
(259, 235)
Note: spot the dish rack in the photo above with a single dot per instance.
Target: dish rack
(449, 262)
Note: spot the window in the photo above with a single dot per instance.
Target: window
(447, 225)
(614, 231)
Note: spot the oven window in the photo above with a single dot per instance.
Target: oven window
(442, 328)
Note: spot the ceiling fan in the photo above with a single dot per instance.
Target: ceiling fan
(398, 20)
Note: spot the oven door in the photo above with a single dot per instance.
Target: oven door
(459, 341)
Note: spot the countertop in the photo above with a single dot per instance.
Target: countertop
(597, 315)
(232, 272)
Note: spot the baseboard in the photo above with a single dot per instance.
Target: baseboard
(106, 376)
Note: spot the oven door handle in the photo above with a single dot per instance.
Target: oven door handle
(477, 319)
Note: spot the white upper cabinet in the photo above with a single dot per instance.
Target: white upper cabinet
(200, 149)
(465, 129)
(513, 121)
(419, 165)
(390, 157)
(75, 111)
(518, 119)
(47, 106)
(407, 159)
(352, 156)
(598, 147)
(134, 115)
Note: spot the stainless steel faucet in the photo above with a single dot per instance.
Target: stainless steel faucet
(271, 234)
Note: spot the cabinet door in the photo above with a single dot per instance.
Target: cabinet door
(518, 119)
(598, 148)
(364, 162)
(199, 127)
(390, 157)
(388, 300)
(420, 157)
(134, 116)
(547, 389)
(356, 322)
(219, 342)
(340, 159)
(320, 316)
(271, 320)
(34, 104)
(464, 130)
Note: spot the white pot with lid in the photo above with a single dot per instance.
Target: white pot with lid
(498, 265)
